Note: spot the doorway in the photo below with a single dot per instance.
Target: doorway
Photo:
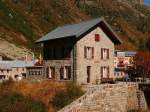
(88, 74)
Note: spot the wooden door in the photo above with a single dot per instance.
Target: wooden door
(88, 74)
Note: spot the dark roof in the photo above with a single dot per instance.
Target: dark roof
(76, 30)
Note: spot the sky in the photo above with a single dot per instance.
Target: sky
(147, 2)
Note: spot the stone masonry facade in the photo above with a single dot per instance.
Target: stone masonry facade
(96, 63)
(78, 63)
(82, 52)
(108, 98)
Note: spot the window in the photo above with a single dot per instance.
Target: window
(65, 73)
(47, 72)
(97, 37)
(118, 73)
(68, 72)
(39, 72)
(50, 72)
(30, 72)
(105, 72)
(104, 53)
(17, 69)
(88, 74)
(121, 74)
(89, 52)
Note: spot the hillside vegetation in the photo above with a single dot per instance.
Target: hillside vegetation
(129, 20)
(24, 21)
(43, 96)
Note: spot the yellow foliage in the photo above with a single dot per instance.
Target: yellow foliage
(39, 91)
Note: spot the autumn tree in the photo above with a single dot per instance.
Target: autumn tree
(142, 64)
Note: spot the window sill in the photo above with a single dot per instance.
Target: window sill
(65, 79)
(105, 59)
(89, 58)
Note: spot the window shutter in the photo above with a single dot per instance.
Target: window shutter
(92, 52)
(97, 37)
(101, 72)
(85, 52)
(101, 53)
(61, 73)
(107, 53)
(53, 72)
(108, 72)
(69, 72)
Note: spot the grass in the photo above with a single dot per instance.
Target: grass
(14, 102)
(65, 97)
(37, 96)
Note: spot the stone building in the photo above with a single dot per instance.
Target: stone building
(34, 72)
(82, 52)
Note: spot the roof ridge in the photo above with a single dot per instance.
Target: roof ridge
(76, 30)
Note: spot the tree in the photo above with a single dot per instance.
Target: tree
(77, 2)
(148, 43)
(142, 64)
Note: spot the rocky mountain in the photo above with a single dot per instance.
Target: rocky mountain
(24, 21)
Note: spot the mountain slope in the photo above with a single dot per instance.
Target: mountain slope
(24, 21)
(129, 20)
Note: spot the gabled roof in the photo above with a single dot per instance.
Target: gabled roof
(77, 30)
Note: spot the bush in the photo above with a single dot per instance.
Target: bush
(64, 97)
(120, 79)
(13, 102)
(134, 111)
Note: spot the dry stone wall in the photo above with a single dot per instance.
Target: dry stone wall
(108, 98)
(91, 2)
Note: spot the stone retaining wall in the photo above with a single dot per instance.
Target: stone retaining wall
(106, 98)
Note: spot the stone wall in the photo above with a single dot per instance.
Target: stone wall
(134, 1)
(96, 63)
(91, 2)
(107, 98)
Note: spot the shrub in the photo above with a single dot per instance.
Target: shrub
(120, 79)
(64, 97)
(60, 99)
(13, 102)
(133, 111)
